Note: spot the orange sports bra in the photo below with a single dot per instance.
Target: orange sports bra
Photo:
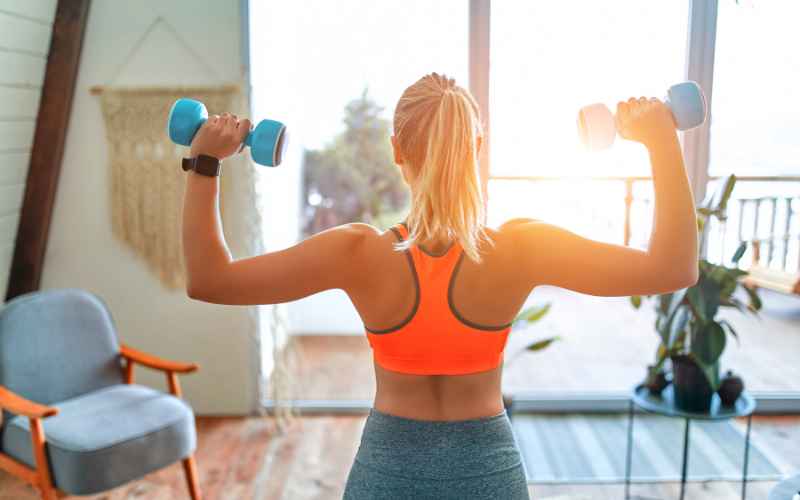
(435, 339)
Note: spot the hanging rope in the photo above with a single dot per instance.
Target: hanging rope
(188, 46)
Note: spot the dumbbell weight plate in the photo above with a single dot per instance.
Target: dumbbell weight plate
(185, 120)
(596, 127)
(268, 143)
(687, 103)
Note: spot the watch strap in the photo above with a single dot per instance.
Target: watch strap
(203, 165)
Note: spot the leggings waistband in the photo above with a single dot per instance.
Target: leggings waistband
(438, 450)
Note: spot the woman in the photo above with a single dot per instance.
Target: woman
(438, 293)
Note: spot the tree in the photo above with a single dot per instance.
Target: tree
(354, 175)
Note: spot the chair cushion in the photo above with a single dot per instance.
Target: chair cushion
(108, 437)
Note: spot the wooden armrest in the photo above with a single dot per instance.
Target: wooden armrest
(21, 406)
(154, 362)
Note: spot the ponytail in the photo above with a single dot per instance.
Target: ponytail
(437, 124)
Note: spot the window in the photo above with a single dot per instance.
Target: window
(549, 59)
(755, 130)
(755, 120)
(309, 59)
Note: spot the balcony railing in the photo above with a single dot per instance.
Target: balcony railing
(763, 210)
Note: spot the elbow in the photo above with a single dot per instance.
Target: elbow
(196, 291)
(678, 280)
(690, 277)
(674, 279)
(193, 292)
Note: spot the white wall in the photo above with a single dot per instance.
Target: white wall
(82, 251)
(25, 28)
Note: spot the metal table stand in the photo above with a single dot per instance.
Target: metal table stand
(665, 405)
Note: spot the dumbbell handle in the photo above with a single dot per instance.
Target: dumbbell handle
(248, 141)
(618, 125)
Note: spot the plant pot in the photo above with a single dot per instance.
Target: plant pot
(657, 386)
(730, 389)
(692, 390)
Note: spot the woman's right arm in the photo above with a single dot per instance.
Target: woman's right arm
(549, 255)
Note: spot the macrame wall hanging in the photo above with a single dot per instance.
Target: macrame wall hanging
(146, 187)
(145, 180)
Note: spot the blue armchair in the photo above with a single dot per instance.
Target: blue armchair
(73, 422)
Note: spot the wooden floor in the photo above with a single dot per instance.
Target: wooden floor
(606, 346)
(244, 458)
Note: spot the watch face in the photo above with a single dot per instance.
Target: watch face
(282, 146)
(207, 165)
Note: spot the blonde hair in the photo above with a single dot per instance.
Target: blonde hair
(437, 124)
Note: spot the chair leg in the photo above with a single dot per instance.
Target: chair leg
(190, 468)
(40, 456)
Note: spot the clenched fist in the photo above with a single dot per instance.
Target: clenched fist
(221, 136)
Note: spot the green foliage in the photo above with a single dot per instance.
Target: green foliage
(537, 346)
(526, 317)
(532, 314)
(356, 171)
(686, 318)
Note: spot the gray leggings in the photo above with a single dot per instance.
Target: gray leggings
(401, 458)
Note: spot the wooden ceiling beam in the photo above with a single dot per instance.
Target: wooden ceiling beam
(48, 146)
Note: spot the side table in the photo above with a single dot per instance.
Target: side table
(665, 405)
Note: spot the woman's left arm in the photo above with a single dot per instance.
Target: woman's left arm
(325, 261)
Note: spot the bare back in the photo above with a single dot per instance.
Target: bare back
(485, 294)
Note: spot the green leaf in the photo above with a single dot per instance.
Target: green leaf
(726, 194)
(735, 272)
(708, 342)
(680, 322)
(728, 289)
(704, 296)
(731, 302)
(717, 201)
(663, 328)
(754, 298)
(710, 371)
(719, 275)
(666, 305)
(536, 346)
(677, 299)
(732, 331)
(533, 314)
(663, 356)
(636, 300)
(663, 302)
(737, 255)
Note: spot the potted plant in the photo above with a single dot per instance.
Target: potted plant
(691, 336)
(526, 317)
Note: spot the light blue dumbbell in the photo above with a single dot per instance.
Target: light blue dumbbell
(598, 127)
(268, 142)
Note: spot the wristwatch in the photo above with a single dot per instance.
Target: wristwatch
(203, 165)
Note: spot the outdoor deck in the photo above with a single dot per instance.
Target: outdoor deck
(606, 347)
